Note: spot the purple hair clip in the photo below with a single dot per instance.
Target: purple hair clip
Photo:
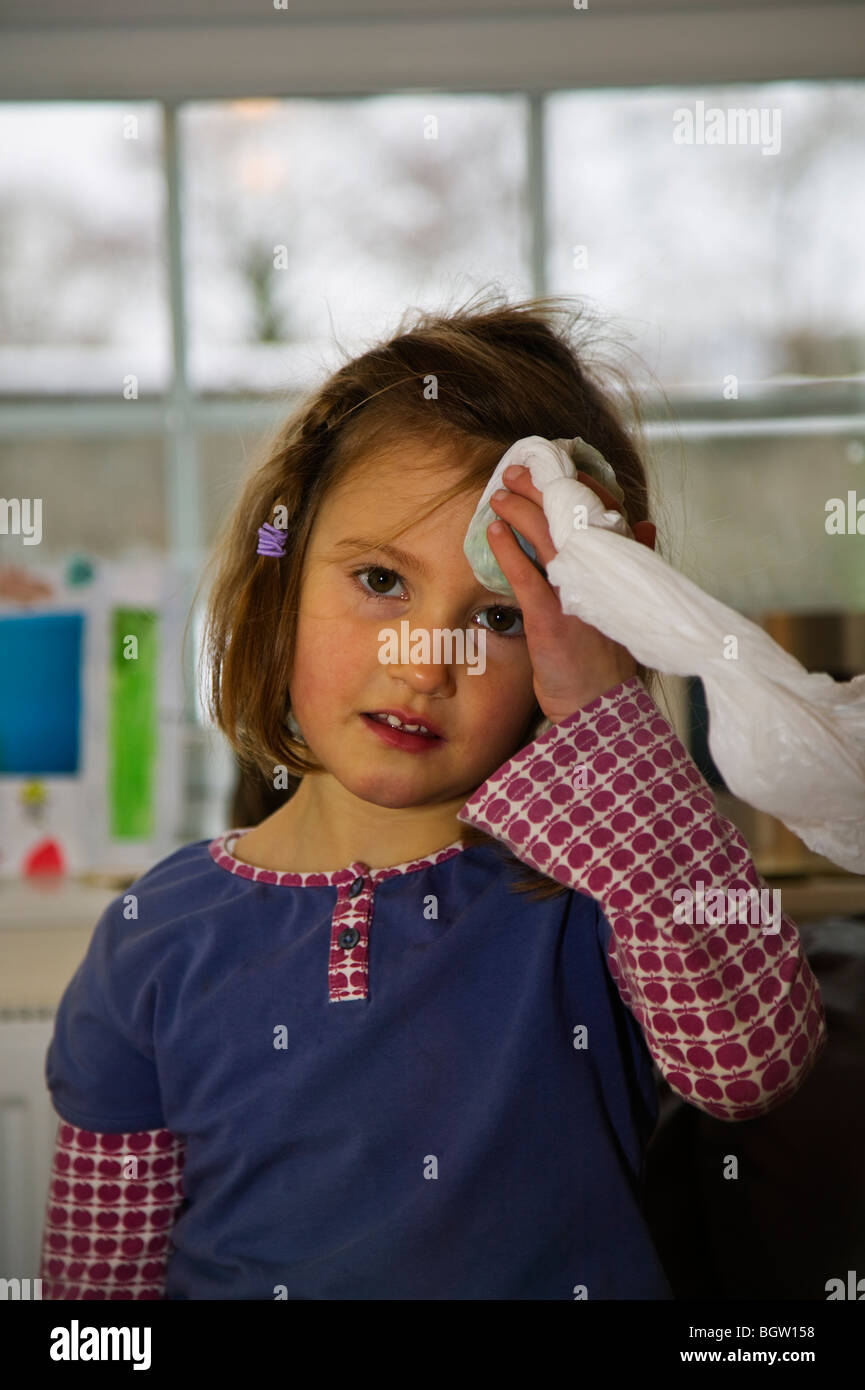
(271, 540)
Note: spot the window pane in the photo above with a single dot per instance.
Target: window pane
(82, 278)
(102, 496)
(308, 218)
(721, 258)
(747, 520)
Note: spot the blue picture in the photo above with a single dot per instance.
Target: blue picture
(40, 693)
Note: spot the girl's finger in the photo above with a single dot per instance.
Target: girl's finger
(519, 479)
(533, 592)
(528, 518)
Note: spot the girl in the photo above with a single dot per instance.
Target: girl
(396, 1041)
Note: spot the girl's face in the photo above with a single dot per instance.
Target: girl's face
(348, 595)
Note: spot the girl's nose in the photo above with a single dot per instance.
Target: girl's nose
(428, 678)
(425, 660)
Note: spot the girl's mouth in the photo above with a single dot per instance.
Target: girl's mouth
(415, 738)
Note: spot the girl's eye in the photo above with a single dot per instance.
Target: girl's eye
(503, 620)
(378, 577)
(377, 582)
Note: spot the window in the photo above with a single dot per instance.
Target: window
(173, 276)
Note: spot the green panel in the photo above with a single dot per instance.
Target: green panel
(132, 723)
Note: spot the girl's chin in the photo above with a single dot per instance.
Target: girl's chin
(391, 799)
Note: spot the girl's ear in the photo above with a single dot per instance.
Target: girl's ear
(645, 532)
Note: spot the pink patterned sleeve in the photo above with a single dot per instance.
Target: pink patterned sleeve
(609, 802)
(112, 1202)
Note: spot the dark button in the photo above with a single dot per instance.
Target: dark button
(348, 938)
(355, 888)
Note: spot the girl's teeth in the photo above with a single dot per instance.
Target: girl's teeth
(395, 724)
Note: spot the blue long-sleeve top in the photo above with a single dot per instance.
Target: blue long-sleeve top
(414, 1083)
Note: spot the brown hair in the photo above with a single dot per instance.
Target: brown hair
(473, 380)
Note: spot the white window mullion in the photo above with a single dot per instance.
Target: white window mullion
(536, 213)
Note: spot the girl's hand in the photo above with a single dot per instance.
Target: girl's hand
(572, 662)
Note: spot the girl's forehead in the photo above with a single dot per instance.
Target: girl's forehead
(411, 500)
(397, 480)
(412, 456)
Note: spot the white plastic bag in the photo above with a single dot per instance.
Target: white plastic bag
(790, 742)
(548, 459)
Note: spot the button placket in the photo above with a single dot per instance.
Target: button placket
(349, 938)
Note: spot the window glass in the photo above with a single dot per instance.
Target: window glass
(306, 219)
(748, 519)
(101, 495)
(83, 293)
(735, 258)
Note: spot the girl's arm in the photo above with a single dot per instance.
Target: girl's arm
(112, 1202)
(609, 802)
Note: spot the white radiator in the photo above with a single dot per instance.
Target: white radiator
(28, 1124)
